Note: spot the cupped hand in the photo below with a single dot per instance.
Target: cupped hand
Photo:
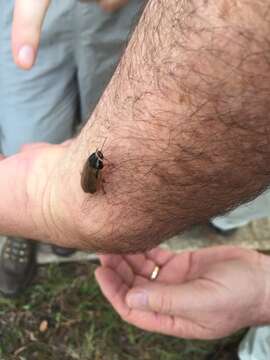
(204, 294)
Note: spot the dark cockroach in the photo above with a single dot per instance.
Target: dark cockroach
(91, 174)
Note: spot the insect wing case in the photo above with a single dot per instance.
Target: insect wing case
(91, 174)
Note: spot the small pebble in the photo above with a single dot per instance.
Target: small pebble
(43, 327)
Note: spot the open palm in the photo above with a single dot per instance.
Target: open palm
(204, 294)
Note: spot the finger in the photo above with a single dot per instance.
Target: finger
(115, 291)
(110, 260)
(113, 288)
(194, 306)
(32, 146)
(140, 264)
(67, 142)
(160, 256)
(112, 5)
(118, 264)
(174, 268)
(139, 281)
(144, 264)
(177, 300)
(27, 23)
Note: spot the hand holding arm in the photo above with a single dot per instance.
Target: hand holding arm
(186, 124)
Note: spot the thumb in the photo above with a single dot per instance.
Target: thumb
(160, 298)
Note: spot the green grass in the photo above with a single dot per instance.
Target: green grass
(83, 326)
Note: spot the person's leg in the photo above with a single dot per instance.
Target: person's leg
(241, 216)
(256, 344)
(101, 38)
(39, 105)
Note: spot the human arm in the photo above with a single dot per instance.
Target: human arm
(204, 294)
(185, 119)
(190, 115)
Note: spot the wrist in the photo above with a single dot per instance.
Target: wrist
(40, 182)
(74, 218)
(25, 183)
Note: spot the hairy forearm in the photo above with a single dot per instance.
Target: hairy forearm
(186, 124)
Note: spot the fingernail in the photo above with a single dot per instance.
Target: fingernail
(26, 56)
(137, 299)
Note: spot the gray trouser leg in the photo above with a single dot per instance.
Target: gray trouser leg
(80, 48)
(101, 39)
(41, 104)
(256, 344)
(256, 209)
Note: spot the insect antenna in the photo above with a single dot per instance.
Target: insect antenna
(103, 144)
(102, 147)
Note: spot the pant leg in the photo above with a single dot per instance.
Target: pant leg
(38, 105)
(101, 39)
(256, 344)
(241, 216)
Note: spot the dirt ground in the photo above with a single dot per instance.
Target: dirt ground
(256, 235)
(63, 316)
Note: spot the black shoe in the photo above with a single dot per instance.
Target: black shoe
(61, 251)
(17, 265)
(225, 233)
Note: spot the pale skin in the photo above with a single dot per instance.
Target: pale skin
(205, 294)
(186, 123)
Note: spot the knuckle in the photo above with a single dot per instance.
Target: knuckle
(163, 304)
